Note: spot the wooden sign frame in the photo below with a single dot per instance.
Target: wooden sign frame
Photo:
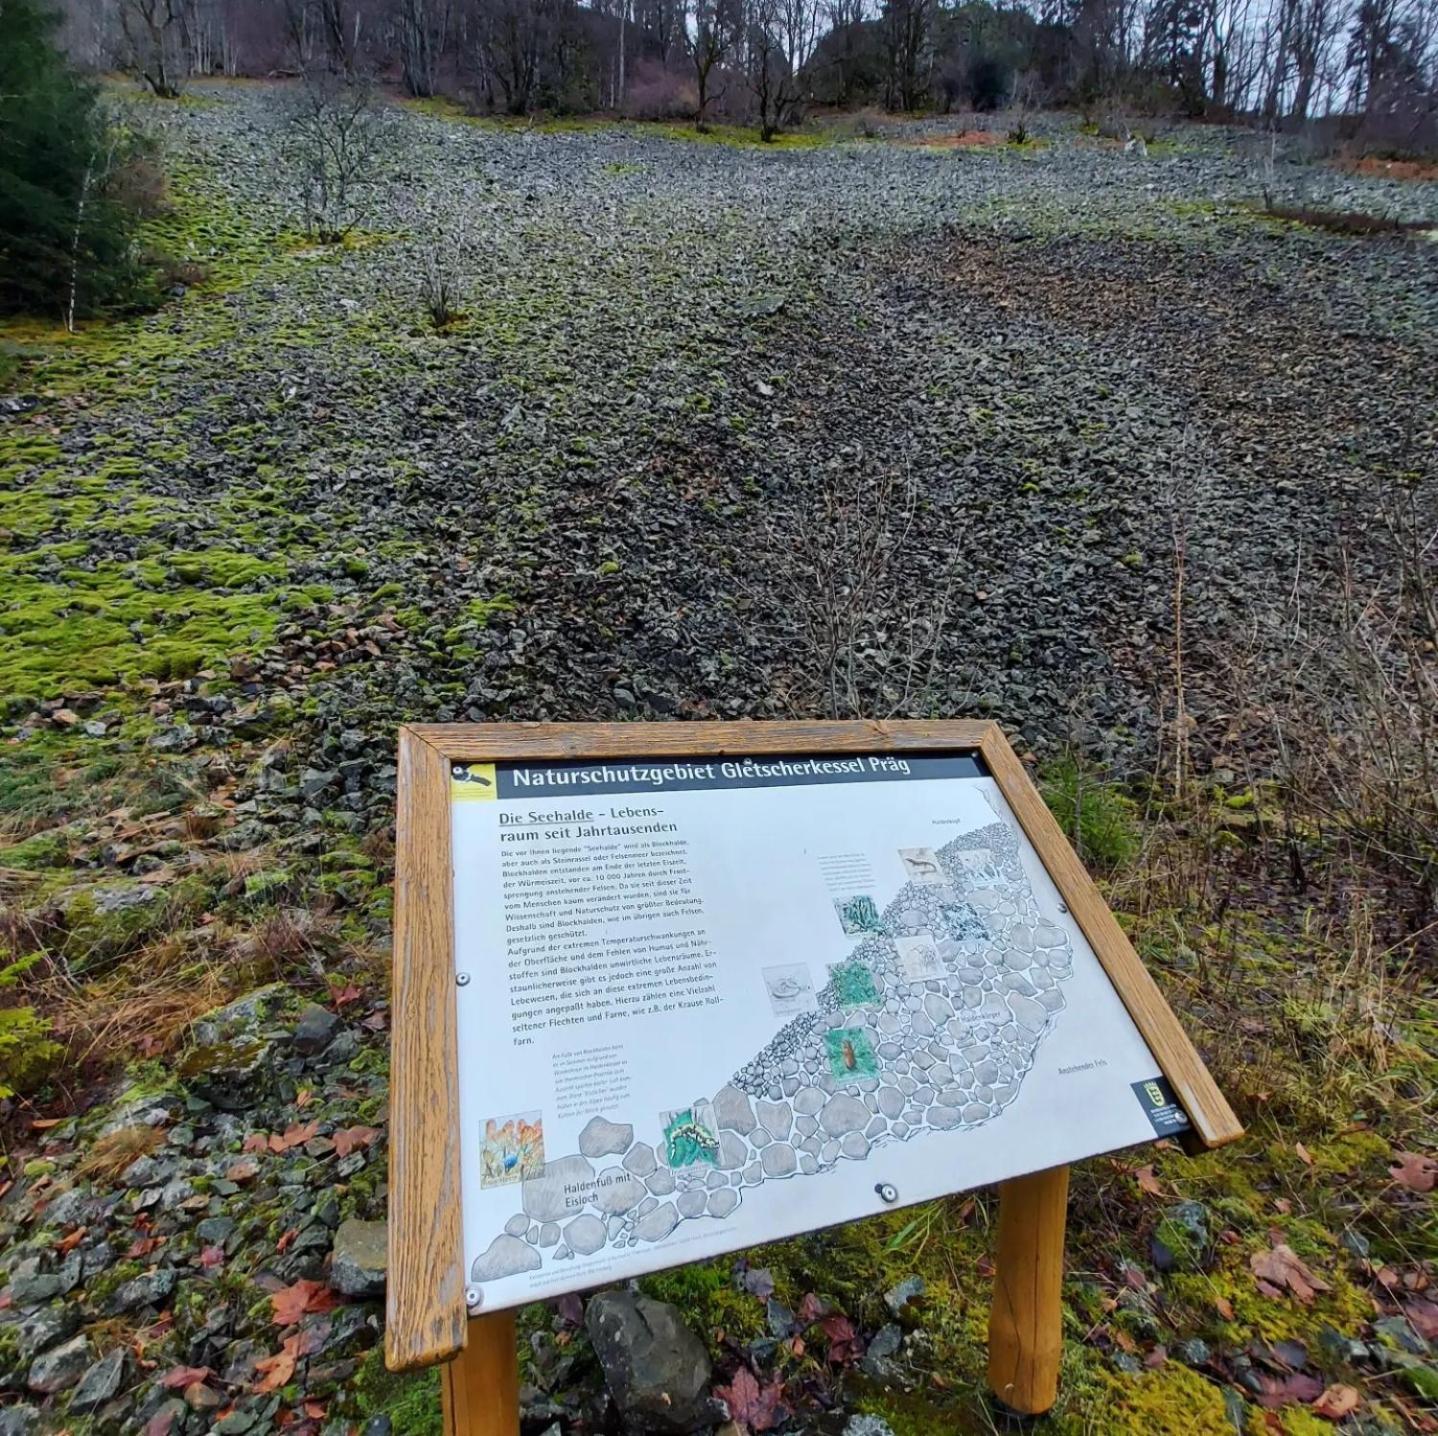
(427, 1320)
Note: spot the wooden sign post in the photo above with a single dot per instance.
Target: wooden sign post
(884, 923)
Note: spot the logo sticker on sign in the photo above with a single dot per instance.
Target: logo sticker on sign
(472, 782)
(1158, 1100)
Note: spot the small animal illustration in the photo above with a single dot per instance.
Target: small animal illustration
(922, 865)
(462, 773)
(850, 1060)
(688, 1142)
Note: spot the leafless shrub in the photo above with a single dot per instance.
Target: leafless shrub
(872, 645)
(335, 145)
(441, 285)
(1357, 726)
(1261, 157)
(1027, 96)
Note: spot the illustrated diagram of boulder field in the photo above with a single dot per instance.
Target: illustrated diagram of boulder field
(885, 1056)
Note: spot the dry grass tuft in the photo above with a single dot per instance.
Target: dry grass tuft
(147, 1002)
(113, 1153)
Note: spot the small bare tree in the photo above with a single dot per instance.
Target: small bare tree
(335, 143)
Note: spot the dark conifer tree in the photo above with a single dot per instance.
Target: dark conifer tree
(66, 238)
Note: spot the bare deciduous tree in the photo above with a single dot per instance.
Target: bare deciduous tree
(157, 43)
(421, 25)
(710, 35)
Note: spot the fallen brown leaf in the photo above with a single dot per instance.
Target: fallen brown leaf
(351, 1139)
(1337, 1402)
(181, 1376)
(1147, 1182)
(1412, 1170)
(1282, 1268)
(276, 1371)
(290, 1303)
(294, 1136)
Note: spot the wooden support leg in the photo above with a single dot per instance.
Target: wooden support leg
(481, 1384)
(1026, 1321)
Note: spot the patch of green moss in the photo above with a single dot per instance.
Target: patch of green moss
(1172, 1401)
(481, 610)
(706, 1293)
(912, 1413)
(100, 926)
(411, 1400)
(222, 568)
(44, 850)
(99, 625)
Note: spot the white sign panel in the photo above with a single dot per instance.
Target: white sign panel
(705, 1004)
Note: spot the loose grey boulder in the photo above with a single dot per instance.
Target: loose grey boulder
(617, 1191)
(900, 1295)
(601, 1138)
(640, 1160)
(152, 1289)
(61, 1367)
(315, 1030)
(843, 1114)
(775, 1117)
(867, 1426)
(733, 1151)
(657, 1370)
(18, 1420)
(42, 1328)
(722, 1202)
(1030, 1015)
(232, 1046)
(360, 1258)
(100, 1383)
(891, 1101)
(778, 1160)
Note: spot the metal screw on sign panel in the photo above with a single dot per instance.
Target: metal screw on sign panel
(1063, 907)
(461, 979)
(473, 1298)
(887, 1192)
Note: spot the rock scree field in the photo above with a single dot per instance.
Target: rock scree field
(1081, 440)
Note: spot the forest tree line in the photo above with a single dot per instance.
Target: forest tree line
(1283, 61)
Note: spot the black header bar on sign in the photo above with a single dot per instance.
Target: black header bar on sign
(669, 775)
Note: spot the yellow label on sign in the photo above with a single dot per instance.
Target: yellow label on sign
(472, 782)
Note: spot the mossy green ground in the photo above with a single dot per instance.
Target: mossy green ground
(741, 136)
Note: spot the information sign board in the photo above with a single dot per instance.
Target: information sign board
(663, 991)
(708, 1003)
